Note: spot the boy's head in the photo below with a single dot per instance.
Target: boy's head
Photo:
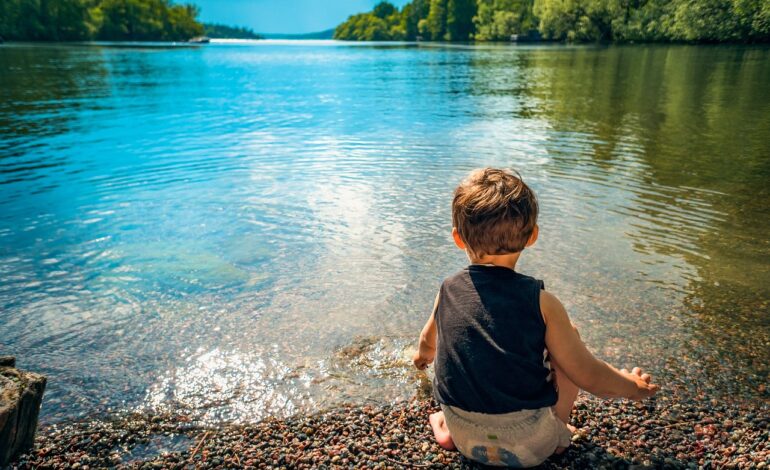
(494, 212)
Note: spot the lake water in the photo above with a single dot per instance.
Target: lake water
(252, 229)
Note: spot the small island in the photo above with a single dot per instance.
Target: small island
(737, 21)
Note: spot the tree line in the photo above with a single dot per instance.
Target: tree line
(111, 20)
(564, 20)
(216, 30)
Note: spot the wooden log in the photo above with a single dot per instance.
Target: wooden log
(21, 394)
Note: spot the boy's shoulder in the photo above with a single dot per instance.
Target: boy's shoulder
(490, 272)
(459, 274)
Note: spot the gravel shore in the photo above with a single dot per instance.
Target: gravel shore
(665, 432)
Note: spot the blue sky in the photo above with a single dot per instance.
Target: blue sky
(283, 16)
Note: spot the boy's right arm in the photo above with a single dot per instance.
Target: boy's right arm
(576, 361)
(426, 349)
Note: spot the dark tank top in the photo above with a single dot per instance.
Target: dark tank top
(491, 356)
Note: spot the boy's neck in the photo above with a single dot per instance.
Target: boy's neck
(505, 261)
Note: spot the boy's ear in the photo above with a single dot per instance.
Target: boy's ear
(533, 237)
(458, 240)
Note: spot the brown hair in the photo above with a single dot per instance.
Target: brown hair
(494, 211)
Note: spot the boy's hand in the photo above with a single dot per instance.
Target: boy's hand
(423, 358)
(426, 349)
(644, 389)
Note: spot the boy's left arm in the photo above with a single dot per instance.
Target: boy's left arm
(426, 350)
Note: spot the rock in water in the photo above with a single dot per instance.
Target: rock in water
(20, 396)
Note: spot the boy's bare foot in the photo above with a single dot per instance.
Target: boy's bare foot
(440, 431)
(560, 450)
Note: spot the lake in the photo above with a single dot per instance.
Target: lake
(256, 229)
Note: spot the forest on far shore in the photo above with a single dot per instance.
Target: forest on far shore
(216, 30)
(111, 20)
(564, 20)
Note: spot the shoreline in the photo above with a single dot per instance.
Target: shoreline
(666, 432)
(436, 44)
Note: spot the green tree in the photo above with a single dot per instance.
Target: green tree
(497, 20)
(721, 20)
(573, 20)
(67, 20)
(64, 20)
(131, 20)
(459, 19)
(50, 20)
(435, 23)
(565, 20)
(215, 30)
(655, 20)
(383, 10)
(376, 30)
(384, 23)
(180, 23)
(645, 20)
(760, 20)
(11, 26)
(363, 27)
(411, 15)
(348, 30)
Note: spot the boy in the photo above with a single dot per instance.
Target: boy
(509, 363)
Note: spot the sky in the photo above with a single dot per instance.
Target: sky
(283, 16)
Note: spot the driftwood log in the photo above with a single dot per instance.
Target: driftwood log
(21, 394)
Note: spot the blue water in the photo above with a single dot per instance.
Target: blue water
(254, 229)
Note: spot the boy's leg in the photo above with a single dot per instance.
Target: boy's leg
(440, 431)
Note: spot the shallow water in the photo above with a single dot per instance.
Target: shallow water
(253, 229)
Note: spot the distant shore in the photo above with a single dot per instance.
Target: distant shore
(668, 432)
(447, 44)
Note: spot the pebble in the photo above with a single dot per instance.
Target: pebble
(680, 432)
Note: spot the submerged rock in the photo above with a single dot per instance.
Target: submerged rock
(21, 394)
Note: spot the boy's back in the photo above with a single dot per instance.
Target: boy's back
(491, 354)
(502, 402)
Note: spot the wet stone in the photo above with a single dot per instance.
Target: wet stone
(21, 394)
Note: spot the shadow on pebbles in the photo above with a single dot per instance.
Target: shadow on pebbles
(661, 433)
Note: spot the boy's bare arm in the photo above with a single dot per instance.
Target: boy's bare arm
(426, 350)
(586, 371)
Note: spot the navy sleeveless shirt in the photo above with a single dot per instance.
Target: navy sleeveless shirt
(491, 356)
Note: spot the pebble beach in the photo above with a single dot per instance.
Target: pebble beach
(665, 432)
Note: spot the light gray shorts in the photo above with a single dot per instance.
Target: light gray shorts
(519, 439)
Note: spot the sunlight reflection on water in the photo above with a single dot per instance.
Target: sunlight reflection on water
(246, 231)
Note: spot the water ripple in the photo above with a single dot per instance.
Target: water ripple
(252, 229)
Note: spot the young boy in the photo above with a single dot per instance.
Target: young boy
(508, 361)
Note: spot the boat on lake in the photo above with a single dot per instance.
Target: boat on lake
(199, 40)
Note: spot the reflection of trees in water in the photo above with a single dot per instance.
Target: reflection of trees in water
(41, 90)
(505, 77)
(38, 83)
(52, 97)
(686, 131)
